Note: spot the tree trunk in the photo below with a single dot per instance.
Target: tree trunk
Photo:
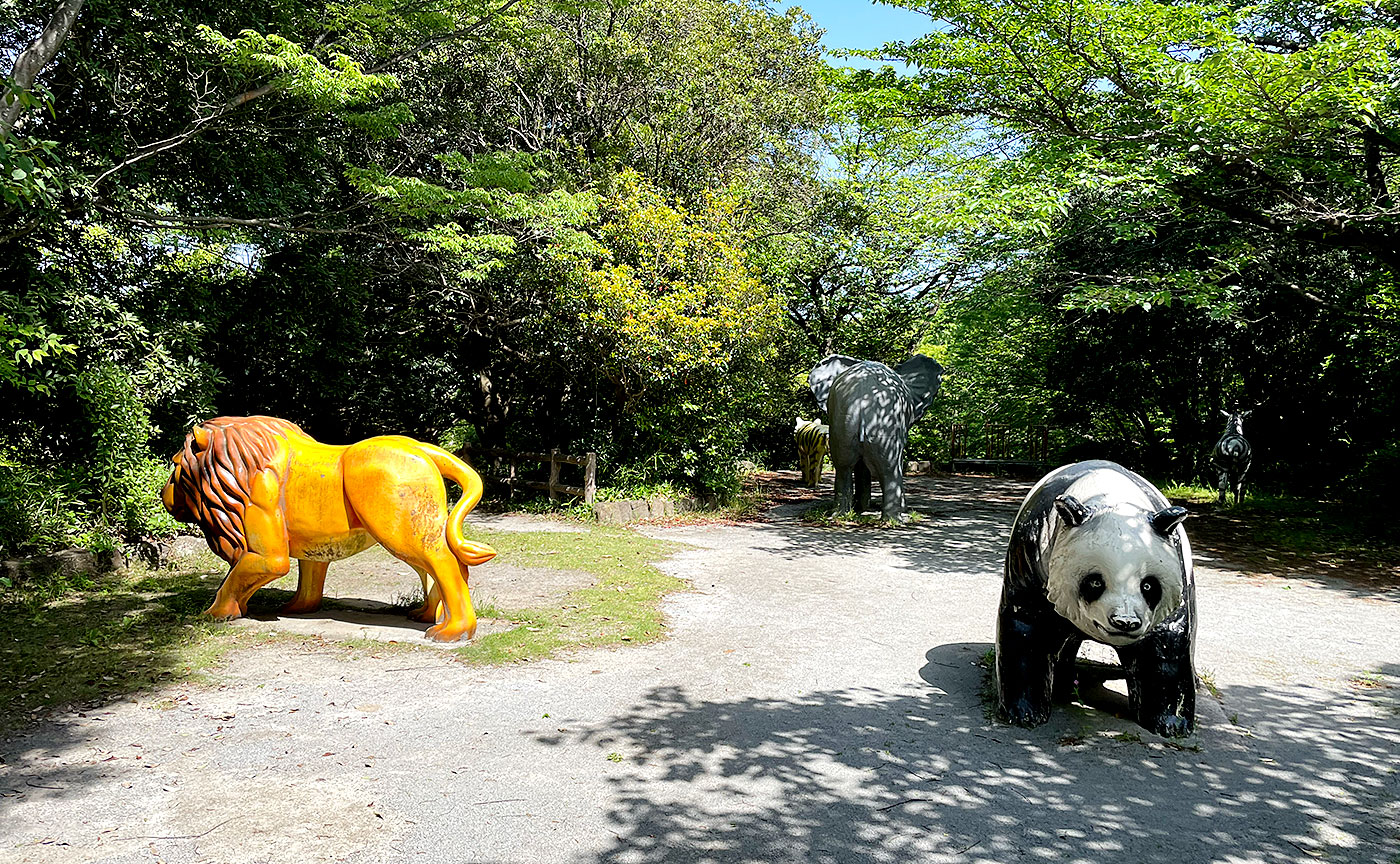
(33, 59)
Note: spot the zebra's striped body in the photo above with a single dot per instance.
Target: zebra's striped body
(811, 449)
(1231, 457)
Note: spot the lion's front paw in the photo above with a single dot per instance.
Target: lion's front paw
(224, 611)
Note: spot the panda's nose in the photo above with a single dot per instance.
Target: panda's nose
(1127, 625)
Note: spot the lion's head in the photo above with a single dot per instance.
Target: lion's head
(210, 483)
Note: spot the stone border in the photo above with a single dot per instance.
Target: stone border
(156, 552)
(66, 563)
(642, 509)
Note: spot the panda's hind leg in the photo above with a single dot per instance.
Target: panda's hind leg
(1063, 689)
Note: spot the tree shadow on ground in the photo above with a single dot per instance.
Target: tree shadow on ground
(972, 515)
(85, 642)
(864, 775)
(1232, 538)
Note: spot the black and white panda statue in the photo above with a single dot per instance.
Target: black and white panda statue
(1098, 553)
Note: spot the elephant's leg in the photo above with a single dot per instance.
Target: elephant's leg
(862, 486)
(311, 584)
(892, 485)
(842, 483)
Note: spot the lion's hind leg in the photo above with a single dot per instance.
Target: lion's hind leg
(427, 611)
(398, 496)
(460, 619)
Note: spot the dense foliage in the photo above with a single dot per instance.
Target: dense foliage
(631, 226)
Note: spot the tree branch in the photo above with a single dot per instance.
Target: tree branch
(148, 150)
(1334, 231)
(32, 60)
(147, 219)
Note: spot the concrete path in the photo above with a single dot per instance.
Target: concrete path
(818, 700)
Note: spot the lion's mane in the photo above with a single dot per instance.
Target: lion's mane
(217, 465)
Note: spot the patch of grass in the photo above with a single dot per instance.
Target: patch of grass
(1370, 681)
(988, 690)
(1325, 528)
(821, 516)
(1287, 523)
(1128, 737)
(623, 606)
(1207, 679)
(86, 638)
(1190, 493)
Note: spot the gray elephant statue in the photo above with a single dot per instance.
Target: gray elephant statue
(870, 409)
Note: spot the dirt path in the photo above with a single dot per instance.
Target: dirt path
(818, 700)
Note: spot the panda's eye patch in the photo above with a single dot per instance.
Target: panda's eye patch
(1152, 591)
(1091, 587)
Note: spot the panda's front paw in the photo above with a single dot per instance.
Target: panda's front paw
(1172, 726)
(1022, 712)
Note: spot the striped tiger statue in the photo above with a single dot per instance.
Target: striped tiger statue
(811, 449)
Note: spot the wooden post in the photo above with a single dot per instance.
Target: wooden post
(554, 474)
(590, 478)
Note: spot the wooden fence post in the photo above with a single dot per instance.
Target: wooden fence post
(554, 474)
(590, 478)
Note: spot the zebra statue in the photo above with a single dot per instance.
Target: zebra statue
(811, 449)
(1232, 456)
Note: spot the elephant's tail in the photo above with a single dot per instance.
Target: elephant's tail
(459, 472)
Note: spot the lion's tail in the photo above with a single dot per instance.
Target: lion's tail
(463, 475)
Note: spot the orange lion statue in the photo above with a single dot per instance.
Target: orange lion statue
(265, 492)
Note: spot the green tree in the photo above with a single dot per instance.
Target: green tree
(1280, 119)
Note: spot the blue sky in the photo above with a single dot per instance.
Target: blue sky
(861, 24)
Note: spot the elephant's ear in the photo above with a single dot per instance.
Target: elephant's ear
(923, 375)
(824, 374)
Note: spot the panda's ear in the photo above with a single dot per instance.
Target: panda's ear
(1163, 521)
(1071, 510)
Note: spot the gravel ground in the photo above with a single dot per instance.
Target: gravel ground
(819, 699)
